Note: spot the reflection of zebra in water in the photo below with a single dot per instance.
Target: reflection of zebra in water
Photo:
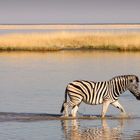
(74, 130)
(94, 93)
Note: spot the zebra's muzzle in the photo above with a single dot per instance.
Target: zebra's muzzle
(136, 94)
(138, 97)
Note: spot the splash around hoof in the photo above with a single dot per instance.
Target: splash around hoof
(125, 116)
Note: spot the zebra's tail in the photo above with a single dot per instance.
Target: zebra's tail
(62, 108)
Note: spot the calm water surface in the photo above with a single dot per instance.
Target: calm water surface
(35, 83)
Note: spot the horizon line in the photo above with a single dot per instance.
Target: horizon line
(69, 23)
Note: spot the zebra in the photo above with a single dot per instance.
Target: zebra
(94, 93)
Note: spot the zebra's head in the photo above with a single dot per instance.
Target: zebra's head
(133, 86)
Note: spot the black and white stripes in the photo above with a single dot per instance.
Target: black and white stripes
(94, 93)
(89, 92)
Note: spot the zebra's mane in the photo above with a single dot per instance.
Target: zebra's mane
(123, 76)
(116, 77)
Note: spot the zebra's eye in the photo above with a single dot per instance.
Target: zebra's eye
(131, 80)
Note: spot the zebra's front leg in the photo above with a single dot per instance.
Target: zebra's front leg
(119, 106)
(105, 107)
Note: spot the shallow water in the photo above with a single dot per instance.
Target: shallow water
(35, 83)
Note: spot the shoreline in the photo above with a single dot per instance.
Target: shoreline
(10, 50)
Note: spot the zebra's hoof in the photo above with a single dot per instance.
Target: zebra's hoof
(124, 115)
(103, 117)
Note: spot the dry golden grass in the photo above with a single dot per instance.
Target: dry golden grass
(70, 40)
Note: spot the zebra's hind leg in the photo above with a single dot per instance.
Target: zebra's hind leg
(75, 106)
(74, 111)
(66, 114)
(67, 105)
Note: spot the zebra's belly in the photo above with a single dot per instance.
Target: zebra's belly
(94, 102)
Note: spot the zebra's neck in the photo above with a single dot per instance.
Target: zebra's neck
(118, 85)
